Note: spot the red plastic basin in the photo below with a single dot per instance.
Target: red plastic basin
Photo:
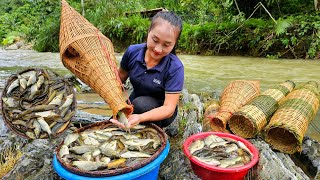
(206, 172)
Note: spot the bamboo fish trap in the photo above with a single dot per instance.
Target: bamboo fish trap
(88, 54)
(249, 120)
(234, 96)
(289, 123)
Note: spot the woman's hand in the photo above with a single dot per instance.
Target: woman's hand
(134, 119)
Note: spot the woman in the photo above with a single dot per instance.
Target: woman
(155, 72)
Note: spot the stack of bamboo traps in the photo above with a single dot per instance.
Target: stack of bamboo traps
(88, 54)
(234, 96)
(249, 120)
(289, 123)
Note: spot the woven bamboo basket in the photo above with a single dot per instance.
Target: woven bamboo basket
(88, 54)
(289, 123)
(52, 82)
(249, 120)
(234, 96)
(112, 172)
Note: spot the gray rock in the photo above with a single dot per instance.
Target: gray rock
(12, 47)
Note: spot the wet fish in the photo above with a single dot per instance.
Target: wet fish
(44, 125)
(228, 162)
(121, 162)
(68, 102)
(123, 119)
(57, 100)
(64, 150)
(89, 165)
(70, 138)
(209, 160)
(40, 81)
(9, 101)
(32, 79)
(37, 128)
(13, 85)
(23, 82)
(134, 154)
(196, 145)
(82, 149)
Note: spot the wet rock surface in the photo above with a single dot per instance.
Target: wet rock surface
(37, 155)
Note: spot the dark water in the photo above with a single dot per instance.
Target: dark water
(205, 74)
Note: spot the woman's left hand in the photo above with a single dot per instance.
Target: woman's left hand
(134, 120)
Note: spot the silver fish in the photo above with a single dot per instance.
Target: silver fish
(46, 114)
(134, 154)
(209, 160)
(87, 156)
(67, 102)
(13, 85)
(91, 141)
(40, 81)
(32, 79)
(82, 149)
(123, 119)
(196, 145)
(105, 160)
(231, 148)
(44, 125)
(9, 101)
(89, 165)
(57, 100)
(70, 138)
(228, 162)
(33, 91)
(64, 150)
(244, 147)
(96, 152)
(23, 82)
(37, 128)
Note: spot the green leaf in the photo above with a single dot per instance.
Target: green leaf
(282, 26)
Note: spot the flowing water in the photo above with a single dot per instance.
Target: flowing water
(203, 74)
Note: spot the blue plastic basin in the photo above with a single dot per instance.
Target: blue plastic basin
(148, 172)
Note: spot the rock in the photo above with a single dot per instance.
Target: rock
(12, 47)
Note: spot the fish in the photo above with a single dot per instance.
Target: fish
(47, 114)
(82, 149)
(243, 146)
(23, 82)
(196, 145)
(96, 152)
(70, 138)
(91, 141)
(209, 160)
(105, 160)
(33, 91)
(89, 165)
(123, 119)
(44, 125)
(57, 100)
(121, 162)
(87, 156)
(231, 148)
(134, 154)
(9, 101)
(64, 150)
(227, 162)
(68, 101)
(32, 78)
(13, 85)
(40, 81)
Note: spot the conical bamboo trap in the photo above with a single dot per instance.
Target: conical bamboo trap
(249, 120)
(234, 96)
(289, 123)
(88, 54)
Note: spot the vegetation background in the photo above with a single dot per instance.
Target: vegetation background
(260, 28)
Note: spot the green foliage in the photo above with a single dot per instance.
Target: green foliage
(282, 25)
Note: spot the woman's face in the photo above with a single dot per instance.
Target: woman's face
(161, 39)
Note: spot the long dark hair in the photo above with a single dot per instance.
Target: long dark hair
(172, 18)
